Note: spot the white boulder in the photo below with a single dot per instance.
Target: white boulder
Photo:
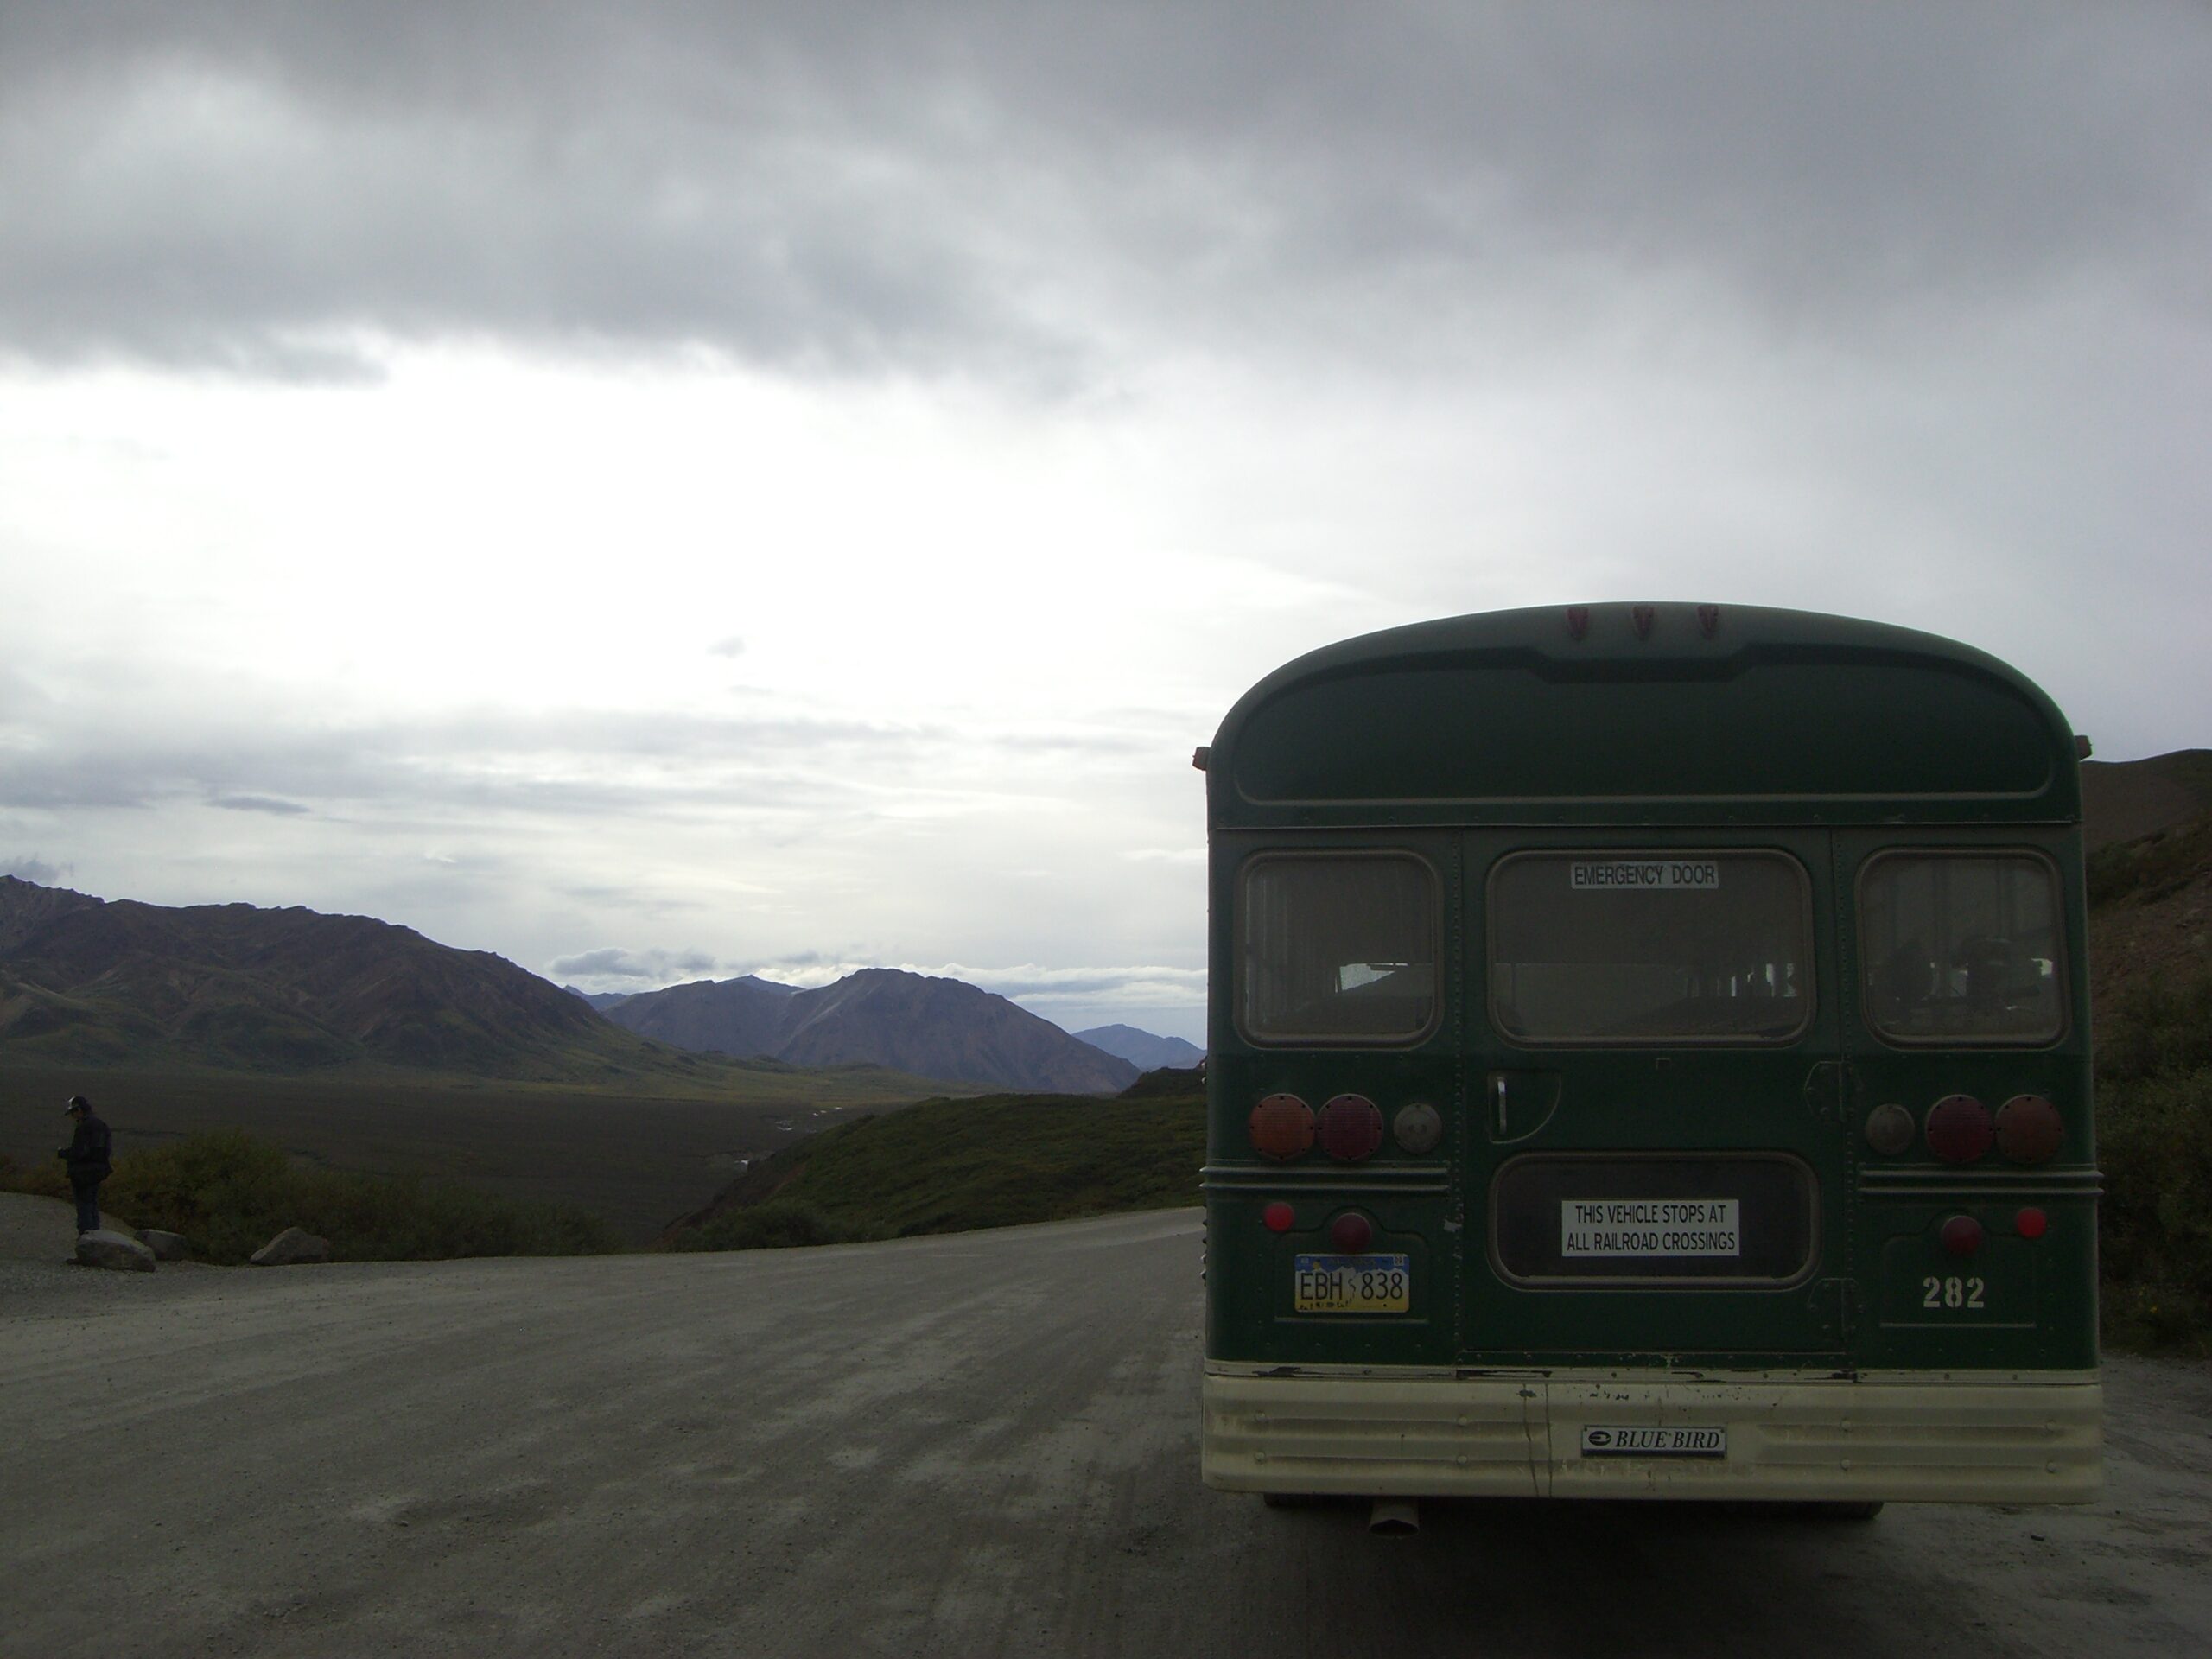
(104, 1249)
(167, 1246)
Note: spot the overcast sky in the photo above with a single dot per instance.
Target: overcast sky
(688, 489)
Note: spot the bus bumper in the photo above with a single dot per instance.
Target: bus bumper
(1952, 1437)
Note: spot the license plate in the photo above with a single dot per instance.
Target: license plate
(1601, 1441)
(1353, 1284)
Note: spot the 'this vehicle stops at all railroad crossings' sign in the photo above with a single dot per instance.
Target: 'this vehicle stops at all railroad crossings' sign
(1649, 1227)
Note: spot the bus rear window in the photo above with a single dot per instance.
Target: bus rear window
(1961, 947)
(1338, 948)
(1638, 947)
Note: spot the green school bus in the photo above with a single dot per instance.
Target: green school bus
(1649, 1056)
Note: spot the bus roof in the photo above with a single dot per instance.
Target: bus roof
(1654, 712)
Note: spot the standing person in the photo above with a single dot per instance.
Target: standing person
(88, 1157)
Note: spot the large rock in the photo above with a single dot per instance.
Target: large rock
(106, 1249)
(167, 1246)
(293, 1244)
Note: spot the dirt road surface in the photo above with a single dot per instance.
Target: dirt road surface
(978, 1445)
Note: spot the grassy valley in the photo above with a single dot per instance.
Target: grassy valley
(634, 1156)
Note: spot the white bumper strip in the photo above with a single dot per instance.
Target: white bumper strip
(1962, 1439)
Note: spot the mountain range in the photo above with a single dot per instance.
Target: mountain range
(90, 980)
(912, 1022)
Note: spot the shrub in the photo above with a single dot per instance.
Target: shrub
(2154, 1111)
(2144, 870)
(46, 1180)
(780, 1223)
(229, 1193)
(2160, 1029)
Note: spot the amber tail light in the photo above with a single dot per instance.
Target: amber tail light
(1281, 1128)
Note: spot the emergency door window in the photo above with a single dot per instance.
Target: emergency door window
(1639, 947)
(1339, 948)
(1961, 947)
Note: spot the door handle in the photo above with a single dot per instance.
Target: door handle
(1519, 1103)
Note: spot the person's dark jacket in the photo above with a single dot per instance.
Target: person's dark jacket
(90, 1150)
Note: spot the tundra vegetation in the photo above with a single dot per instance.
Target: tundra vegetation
(950, 1165)
(2154, 1095)
(228, 1193)
(2150, 903)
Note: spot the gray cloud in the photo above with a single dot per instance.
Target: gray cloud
(612, 961)
(732, 646)
(586, 762)
(997, 188)
(28, 869)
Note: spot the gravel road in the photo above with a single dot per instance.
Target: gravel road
(976, 1445)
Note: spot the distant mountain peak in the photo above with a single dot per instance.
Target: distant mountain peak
(923, 1023)
(1142, 1049)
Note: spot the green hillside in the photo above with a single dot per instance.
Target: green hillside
(946, 1166)
(2151, 960)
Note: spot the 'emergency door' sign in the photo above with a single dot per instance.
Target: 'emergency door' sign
(1645, 876)
(1653, 1227)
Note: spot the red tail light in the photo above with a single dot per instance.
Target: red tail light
(1351, 1232)
(1961, 1234)
(1350, 1129)
(2029, 1130)
(1281, 1127)
(1278, 1218)
(2031, 1223)
(1958, 1129)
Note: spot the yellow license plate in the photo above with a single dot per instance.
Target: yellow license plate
(1353, 1284)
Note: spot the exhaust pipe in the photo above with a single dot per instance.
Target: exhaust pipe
(1394, 1517)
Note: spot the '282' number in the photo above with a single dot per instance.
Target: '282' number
(1952, 1293)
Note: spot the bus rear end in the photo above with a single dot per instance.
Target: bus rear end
(1649, 1056)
